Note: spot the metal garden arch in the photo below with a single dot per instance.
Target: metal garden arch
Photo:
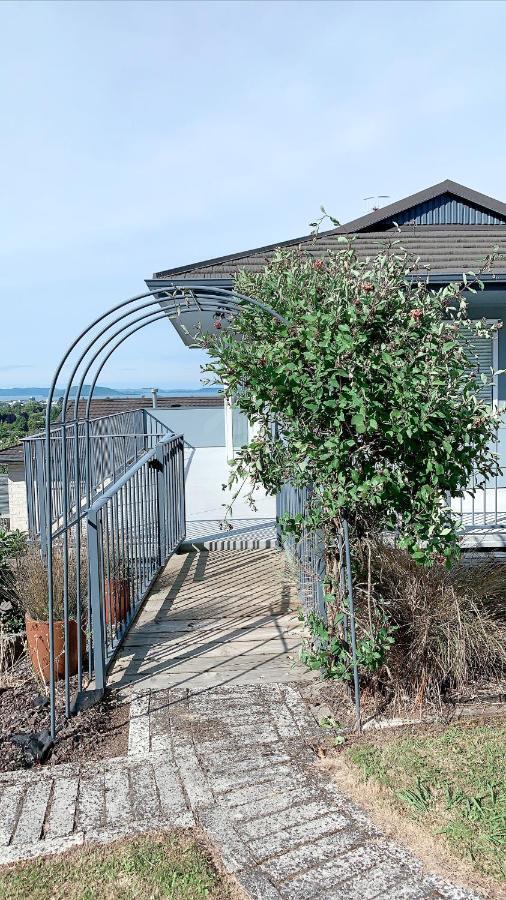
(131, 315)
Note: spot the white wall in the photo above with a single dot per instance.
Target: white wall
(18, 514)
(206, 471)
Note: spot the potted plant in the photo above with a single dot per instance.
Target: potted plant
(32, 587)
(117, 590)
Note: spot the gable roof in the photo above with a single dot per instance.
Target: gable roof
(446, 249)
(471, 198)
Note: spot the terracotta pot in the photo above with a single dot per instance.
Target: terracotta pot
(37, 638)
(116, 600)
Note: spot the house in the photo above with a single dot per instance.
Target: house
(14, 510)
(448, 229)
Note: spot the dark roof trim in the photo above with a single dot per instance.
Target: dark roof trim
(444, 187)
(179, 270)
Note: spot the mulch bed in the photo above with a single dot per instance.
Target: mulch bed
(99, 732)
(481, 700)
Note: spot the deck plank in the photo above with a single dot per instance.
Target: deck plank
(212, 618)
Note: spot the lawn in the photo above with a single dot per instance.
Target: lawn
(165, 866)
(452, 781)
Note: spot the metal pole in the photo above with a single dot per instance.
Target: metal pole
(95, 598)
(352, 624)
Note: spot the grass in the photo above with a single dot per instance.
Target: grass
(451, 781)
(146, 868)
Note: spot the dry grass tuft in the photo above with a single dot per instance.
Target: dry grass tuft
(451, 623)
(32, 583)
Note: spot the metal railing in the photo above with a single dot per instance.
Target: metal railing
(85, 459)
(483, 505)
(306, 554)
(132, 529)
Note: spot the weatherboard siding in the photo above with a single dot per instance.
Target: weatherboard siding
(445, 210)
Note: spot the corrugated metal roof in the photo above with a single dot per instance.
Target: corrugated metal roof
(445, 210)
(12, 454)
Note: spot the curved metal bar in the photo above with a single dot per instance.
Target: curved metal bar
(182, 293)
(212, 302)
(77, 483)
(157, 317)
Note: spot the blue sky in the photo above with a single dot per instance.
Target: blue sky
(139, 136)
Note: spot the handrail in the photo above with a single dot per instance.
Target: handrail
(132, 530)
(116, 486)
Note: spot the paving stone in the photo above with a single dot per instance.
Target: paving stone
(450, 891)
(255, 793)
(160, 717)
(233, 849)
(139, 726)
(10, 803)
(91, 801)
(388, 881)
(273, 804)
(23, 852)
(31, 817)
(193, 777)
(143, 792)
(254, 774)
(328, 879)
(62, 812)
(310, 855)
(245, 760)
(257, 886)
(288, 838)
(172, 801)
(271, 824)
(118, 809)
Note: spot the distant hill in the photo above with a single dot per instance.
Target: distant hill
(41, 393)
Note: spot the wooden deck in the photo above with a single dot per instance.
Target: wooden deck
(215, 618)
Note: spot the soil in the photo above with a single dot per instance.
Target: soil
(99, 732)
(483, 700)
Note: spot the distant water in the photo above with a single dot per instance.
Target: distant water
(41, 393)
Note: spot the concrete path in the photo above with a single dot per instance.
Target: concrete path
(237, 761)
(215, 618)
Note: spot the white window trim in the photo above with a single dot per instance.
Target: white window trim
(495, 360)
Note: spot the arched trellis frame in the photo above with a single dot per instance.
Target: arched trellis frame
(131, 315)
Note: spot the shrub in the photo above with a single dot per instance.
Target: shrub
(12, 544)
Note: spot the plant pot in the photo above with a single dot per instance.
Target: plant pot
(37, 637)
(116, 600)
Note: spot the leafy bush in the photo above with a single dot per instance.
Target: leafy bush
(330, 652)
(374, 389)
(370, 387)
(12, 545)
